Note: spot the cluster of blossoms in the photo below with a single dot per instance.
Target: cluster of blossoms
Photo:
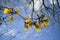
(38, 25)
(10, 11)
(28, 22)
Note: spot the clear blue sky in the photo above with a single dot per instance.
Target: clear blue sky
(50, 33)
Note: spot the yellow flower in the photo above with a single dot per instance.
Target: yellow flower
(30, 24)
(46, 22)
(7, 10)
(47, 19)
(38, 27)
(28, 21)
(11, 19)
(17, 12)
(26, 27)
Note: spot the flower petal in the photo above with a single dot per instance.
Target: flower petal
(26, 27)
(31, 24)
(11, 19)
(47, 19)
(38, 27)
(28, 20)
(17, 12)
(45, 24)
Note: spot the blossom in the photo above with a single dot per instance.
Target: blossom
(38, 27)
(46, 22)
(26, 27)
(11, 19)
(7, 10)
(17, 12)
(47, 19)
(29, 22)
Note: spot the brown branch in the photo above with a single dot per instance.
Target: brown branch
(32, 10)
(22, 17)
(58, 3)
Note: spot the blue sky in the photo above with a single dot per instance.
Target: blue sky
(12, 29)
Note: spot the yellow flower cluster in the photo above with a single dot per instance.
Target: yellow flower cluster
(38, 26)
(8, 11)
(28, 22)
(11, 11)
